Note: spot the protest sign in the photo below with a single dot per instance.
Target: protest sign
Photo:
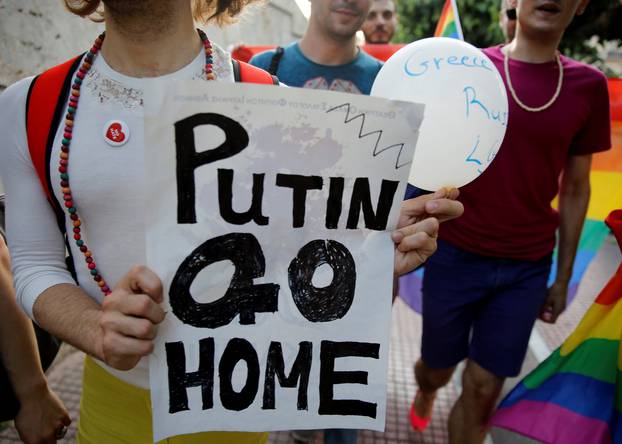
(269, 219)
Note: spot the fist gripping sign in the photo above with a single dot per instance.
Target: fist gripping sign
(270, 213)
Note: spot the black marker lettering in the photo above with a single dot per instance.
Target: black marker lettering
(329, 352)
(300, 185)
(238, 350)
(298, 376)
(189, 159)
(225, 200)
(327, 303)
(179, 381)
(361, 199)
(334, 203)
(243, 297)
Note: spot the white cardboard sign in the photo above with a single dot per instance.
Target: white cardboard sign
(269, 219)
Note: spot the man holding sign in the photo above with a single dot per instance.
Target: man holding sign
(308, 247)
(499, 253)
(114, 313)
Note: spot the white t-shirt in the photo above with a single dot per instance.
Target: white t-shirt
(107, 184)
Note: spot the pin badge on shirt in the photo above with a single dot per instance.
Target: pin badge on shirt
(116, 133)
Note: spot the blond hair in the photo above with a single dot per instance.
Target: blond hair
(220, 12)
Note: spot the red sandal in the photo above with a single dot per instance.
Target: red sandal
(418, 423)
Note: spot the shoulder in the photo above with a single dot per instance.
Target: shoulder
(369, 61)
(222, 63)
(494, 52)
(263, 59)
(14, 97)
(13, 110)
(370, 65)
(13, 124)
(495, 55)
(586, 73)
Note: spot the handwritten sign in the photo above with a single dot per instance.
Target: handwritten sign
(466, 108)
(270, 211)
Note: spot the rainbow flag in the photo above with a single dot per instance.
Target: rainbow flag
(449, 22)
(606, 182)
(575, 395)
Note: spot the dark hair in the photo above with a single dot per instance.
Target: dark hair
(218, 11)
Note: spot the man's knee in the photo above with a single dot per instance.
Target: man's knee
(433, 378)
(481, 384)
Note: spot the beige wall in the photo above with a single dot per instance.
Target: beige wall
(35, 34)
(277, 23)
(38, 34)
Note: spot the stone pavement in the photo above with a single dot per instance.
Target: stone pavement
(65, 374)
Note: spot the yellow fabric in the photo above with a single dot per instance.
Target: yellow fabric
(599, 322)
(115, 412)
(606, 194)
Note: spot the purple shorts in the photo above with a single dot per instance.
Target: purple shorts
(480, 307)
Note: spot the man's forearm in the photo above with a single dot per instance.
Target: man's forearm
(18, 349)
(71, 315)
(572, 210)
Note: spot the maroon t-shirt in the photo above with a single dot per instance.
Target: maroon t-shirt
(508, 208)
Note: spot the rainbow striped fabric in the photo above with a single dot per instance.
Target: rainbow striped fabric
(575, 395)
(449, 22)
(606, 182)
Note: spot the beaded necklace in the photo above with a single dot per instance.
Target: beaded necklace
(63, 168)
(560, 80)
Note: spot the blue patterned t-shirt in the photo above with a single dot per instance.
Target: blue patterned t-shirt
(295, 69)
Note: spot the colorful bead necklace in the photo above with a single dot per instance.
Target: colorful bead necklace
(63, 168)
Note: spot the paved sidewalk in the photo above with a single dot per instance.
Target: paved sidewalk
(65, 379)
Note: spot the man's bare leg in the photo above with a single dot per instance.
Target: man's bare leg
(429, 381)
(469, 416)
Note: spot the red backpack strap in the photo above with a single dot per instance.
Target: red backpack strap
(44, 106)
(246, 73)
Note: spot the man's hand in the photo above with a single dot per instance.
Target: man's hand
(129, 319)
(418, 224)
(441, 205)
(41, 415)
(555, 302)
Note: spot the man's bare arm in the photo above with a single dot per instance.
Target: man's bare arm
(70, 314)
(18, 349)
(40, 413)
(574, 197)
(120, 332)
